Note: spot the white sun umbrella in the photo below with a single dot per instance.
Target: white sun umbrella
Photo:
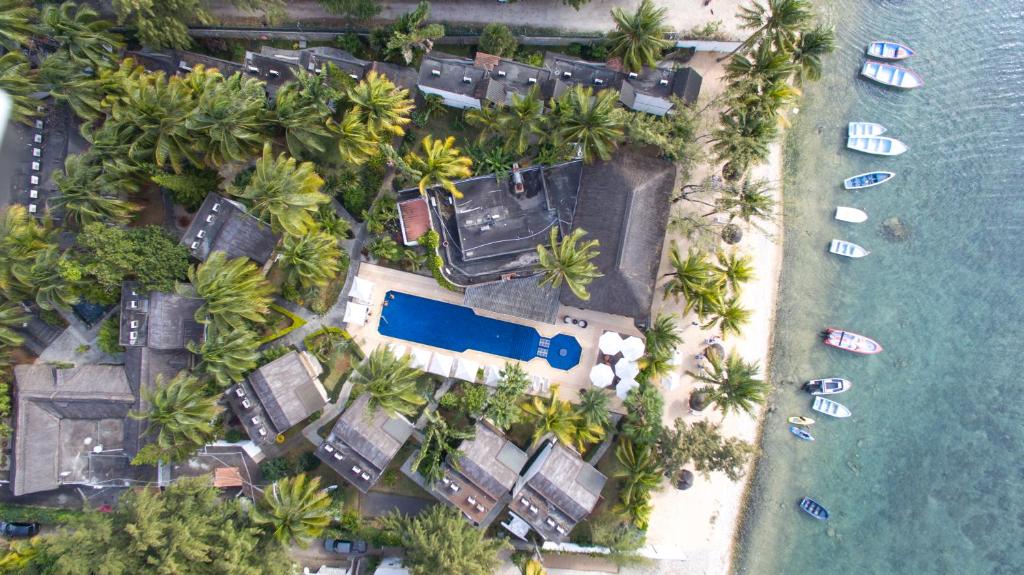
(356, 313)
(441, 364)
(601, 375)
(626, 369)
(610, 343)
(492, 375)
(362, 290)
(420, 358)
(466, 369)
(677, 357)
(624, 387)
(632, 348)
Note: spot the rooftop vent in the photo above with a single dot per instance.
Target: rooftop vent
(209, 219)
(215, 207)
(200, 233)
(34, 180)
(194, 246)
(633, 75)
(39, 124)
(36, 152)
(133, 335)
(31, 208)
(567, 74)
(274, 73)
(133, 324)
(663, 82)
(531, 80)
(33, 194)
(133, 304)
(253, 70)
(435, 72)
(501, 74)
(353, 76)
(35, 166)
(38, 138)
(598, 81)
(184, 66)
(466, 80)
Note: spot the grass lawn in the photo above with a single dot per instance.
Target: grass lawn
(280, 322)
(338, 368)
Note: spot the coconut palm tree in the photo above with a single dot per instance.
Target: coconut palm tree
(284, 192)
(593, 408)
(295, 510)
(734, 384)
(440, 163)
(742, 139)
(776, 22)
(355, 143)
(22, 238)
(734, 269)
(44, 280)
(380, 105)
(179, 417)
(235, 292)
(229, 118)
(524, 120)
(410, 35)
(812, 45)
(750, 200)
(690, 276)
(390, 382)
(553, 416)
(729, 316)
(639, 38)
(763, 67)
(595, 123)
(310, 260)
(83, 199)
(569, 260)
(489, 120)
(440, 443)
(227, 356)
(662, 338)
(19, 81)
(12, 316)
(639, 474)
(83, 38)
(303, 120)
(533, 566)
(17, 18)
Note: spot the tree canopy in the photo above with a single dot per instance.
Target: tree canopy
(440, 540)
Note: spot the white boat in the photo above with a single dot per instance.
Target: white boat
(889, 50)
(877, 145)
(828, 386)
(864, 129)
(867, 180)
(852, 215)
(891, 75)
(829, 407)
(848, 249)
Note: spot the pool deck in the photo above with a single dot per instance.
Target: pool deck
(570, 382)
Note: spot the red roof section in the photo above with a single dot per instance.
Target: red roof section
(486, 61)
(415, 219)
(227, 477)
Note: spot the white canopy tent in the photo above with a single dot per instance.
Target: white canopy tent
(492, 375)
(601, 375)
(610, 343)
(362, 290)
(626, 369)
(632, 348)
(356, 313)
(624, 386)
(466, 370)
(420, 358)
(441, 364)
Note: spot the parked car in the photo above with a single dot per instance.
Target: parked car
(345, 547)
(12, 529)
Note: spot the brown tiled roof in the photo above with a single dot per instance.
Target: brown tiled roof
(227, 477)
(486, 61)
(415, 219)
(614, 63)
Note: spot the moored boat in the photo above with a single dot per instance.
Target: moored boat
(848, 249)
(801, 420)
(877, 145)
(851, 342)
(814, 509)
(801, 433)
(864, 129)
(829, 407)
(889, 50)
(867, 180)
(891, 75)
(827, 386)
(852, 215)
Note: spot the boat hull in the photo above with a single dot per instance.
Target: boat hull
(801, 420)
(851, 215)
(814, 509)
(828, 386)
(852, 342)
(801, 434)
(830, 408)
(867, 180)
(893, 51)
(876, 145)
(854, 129)
(847, 249)
(891, 75)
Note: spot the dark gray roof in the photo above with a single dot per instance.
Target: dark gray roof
(491, 461)
(449, 74)
(223, 225)
(61, 415)
(317, 56)
(508, 77)
(375, 436)
(519, 297)
(181, 62)
(288, 389)
(686, 85)
(158, 320)
(275, 70)
(565, 480)
(636, 188)
(402, 76)
(570, 70)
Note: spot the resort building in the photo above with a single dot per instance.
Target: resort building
(363, 443)
(277, 66)
(454, 79)
(223, 225)
(555, 492)
(181, 62)
(279, 395)
(71, 427)
(480, 486)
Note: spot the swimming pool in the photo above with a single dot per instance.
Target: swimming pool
(458, 328)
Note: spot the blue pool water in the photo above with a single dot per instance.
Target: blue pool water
(457, 328)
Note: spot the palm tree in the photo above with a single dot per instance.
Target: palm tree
(384, 248)
(17, 26)
(595, 123)
(640, 474)
(22, 238)
(82, 199)
(355, 143)
(229, 117)
(180, 417)
(489, 119)
(742, 140)
(524, 120)
(284, 192)
(662, 338)
(440, 163)
(235, 292)
(227, 356)
(409, 36)
(390, 382)
(750, 200)
(50, 288)
(303, 120)
(380, 105)
(809, 49)
(84, 39)
(777, 22)
(730, 317)
(533, 566)
(12, 316)
(19, 81)
(593, 408)
(766, 66)
(295, 510)
(733, 384)
(440, 444)
(553, 416)
(569, 260)
(639, 37)
(734, 269)
(310, 260)
(690, 275)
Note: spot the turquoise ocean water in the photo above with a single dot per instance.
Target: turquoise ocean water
(927, 477)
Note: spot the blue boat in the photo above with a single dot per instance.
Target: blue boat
(801, 433)
(867, 180)
(814, 509)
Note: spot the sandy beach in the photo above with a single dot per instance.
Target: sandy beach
(696, 527)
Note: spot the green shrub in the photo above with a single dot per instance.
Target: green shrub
(430, 241)
(497, 39)
(108, 334)
(308, 462)
(274, 352)
(51, 318)
(448, 400)
(276, 468)
(44, 515)
(474, 399)
(234, 435)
